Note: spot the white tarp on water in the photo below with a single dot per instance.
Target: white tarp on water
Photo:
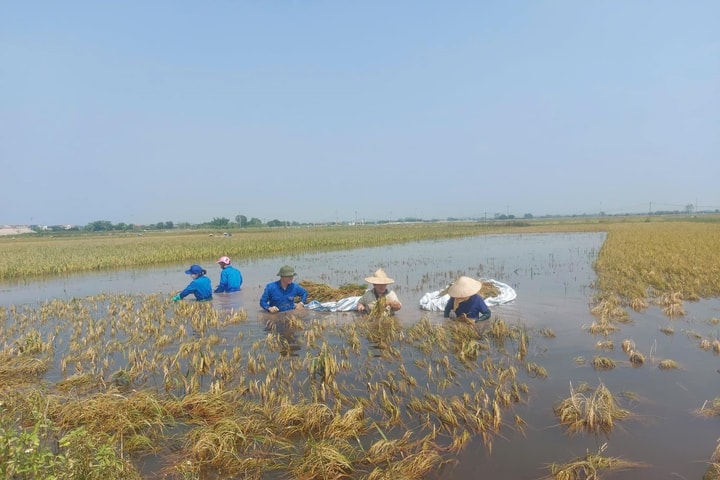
(343, 305)
(435, 302)
(432, 301)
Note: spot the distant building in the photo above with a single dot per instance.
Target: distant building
(15, 230)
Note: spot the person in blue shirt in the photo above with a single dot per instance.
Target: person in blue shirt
(279, 296)
(199, 286)
(230, 277)
(465, 300)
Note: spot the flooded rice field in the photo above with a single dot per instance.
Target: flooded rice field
(553, 277)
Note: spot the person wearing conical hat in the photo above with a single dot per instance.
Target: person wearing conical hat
(380, 282)
(465, 300)
(279, 296)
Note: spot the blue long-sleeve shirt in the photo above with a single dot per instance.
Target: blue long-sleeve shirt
(230, 280)
(200, 287)
(275, 296)
(472, 307)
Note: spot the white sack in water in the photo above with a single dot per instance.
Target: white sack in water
(435, 302)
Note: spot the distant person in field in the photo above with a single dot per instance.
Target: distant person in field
(380, 282)
(465, 300)
(199, 286)
(279, 296)
(230, 277)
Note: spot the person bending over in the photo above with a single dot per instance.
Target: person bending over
(199, 286)
(465, 300)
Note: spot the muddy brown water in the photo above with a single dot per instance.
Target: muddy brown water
(552, 275)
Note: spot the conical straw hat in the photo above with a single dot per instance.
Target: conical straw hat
(464, 287)
(379, 278)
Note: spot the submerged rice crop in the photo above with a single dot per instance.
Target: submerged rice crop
(150, 377)
(591, 410)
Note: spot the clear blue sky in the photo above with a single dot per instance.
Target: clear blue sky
(141, 112)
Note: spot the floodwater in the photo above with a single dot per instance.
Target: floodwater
(553, 276)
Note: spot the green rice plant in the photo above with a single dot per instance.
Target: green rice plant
(95, 457)
(28, 454)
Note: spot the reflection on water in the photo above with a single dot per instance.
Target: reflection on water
(228, 301)
(283, 329)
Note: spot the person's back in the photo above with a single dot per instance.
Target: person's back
(201, 287)
(230, 277)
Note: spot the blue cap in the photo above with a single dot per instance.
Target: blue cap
(195, 270)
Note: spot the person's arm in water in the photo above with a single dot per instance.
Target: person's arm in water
(484, 310)
(223, 285)
(302, 293)
(362, 305)
(393, 301)
(448, 307)
(265, 300)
